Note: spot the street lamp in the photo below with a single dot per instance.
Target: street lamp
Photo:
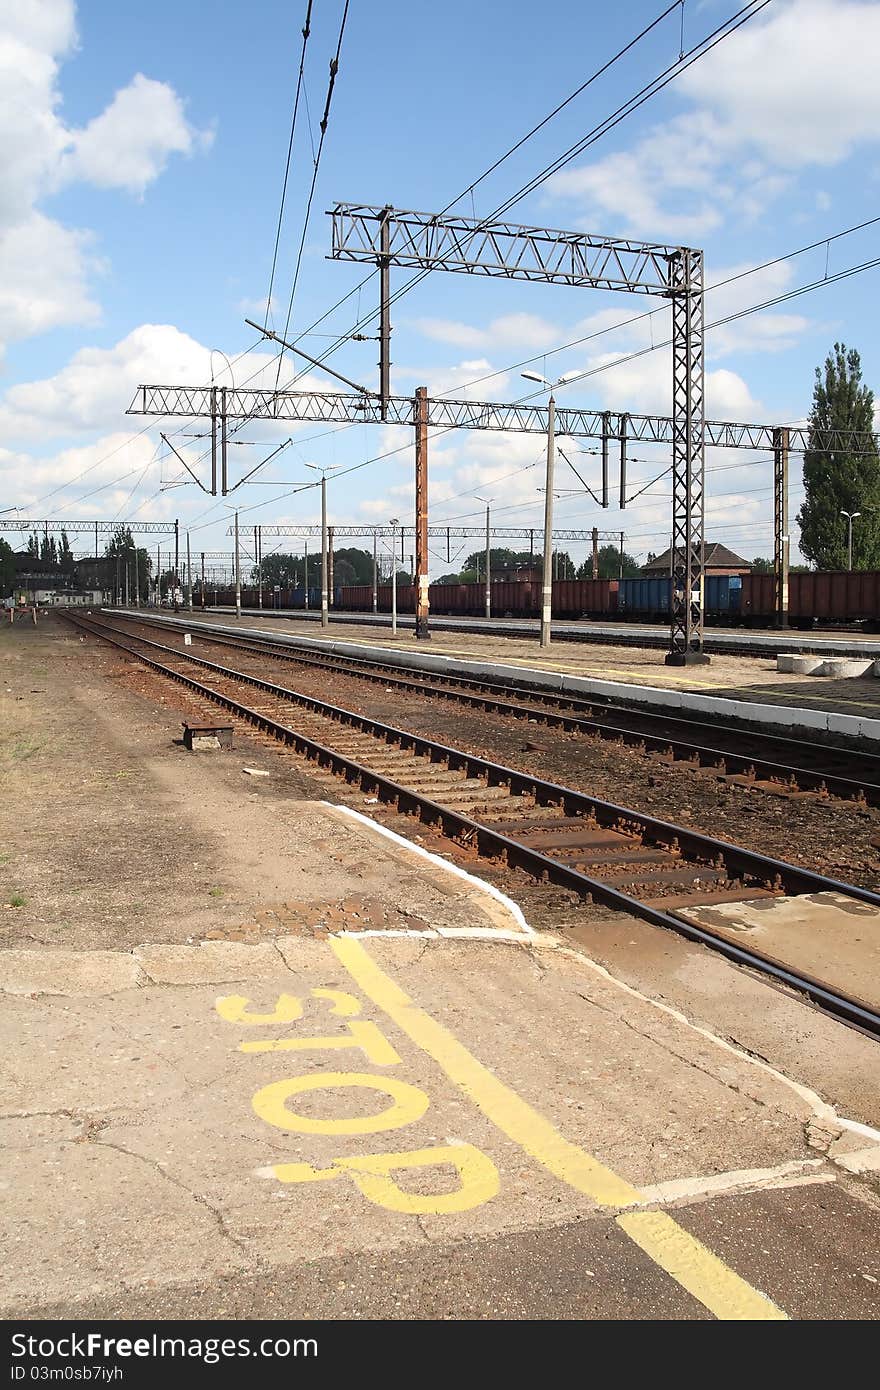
(487, 500)
(850, 518)
(325, 604)
(547, 577)
(395, 522)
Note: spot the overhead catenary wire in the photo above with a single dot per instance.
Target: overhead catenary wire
(306, 29)
(334, 69)
(705, 45)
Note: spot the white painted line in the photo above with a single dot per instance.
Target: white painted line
(513, 908)
(737, 1181)
(820, 1108)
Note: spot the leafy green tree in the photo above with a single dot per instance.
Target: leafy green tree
(7, 568)
(761, 565)
(609, 565)
(122, 545)
(841, 479)
(65, 555)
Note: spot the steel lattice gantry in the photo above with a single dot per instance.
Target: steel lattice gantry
(94, 528)
(521, 533)
(426, 241)
(331, 407)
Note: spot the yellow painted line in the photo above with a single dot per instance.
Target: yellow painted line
(696, 1269)
(672, 1248)
(503, 1106)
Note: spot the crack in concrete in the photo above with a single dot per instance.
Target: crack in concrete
(681, 1057)
(199, 1198)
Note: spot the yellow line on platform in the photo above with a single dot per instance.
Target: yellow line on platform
(672, 1248)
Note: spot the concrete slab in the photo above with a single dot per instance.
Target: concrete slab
(208, 962)
(68, 972)
(381, 1099)
(833, 938)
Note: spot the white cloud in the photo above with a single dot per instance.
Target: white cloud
(93, 390)
(509, 331)
(129, 144)
(786, 92)
(126, 146)
(799, 87)
(45, 279)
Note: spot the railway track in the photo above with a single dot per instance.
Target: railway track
(611, 854)
(768, 761)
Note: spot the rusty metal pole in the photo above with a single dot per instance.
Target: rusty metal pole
(781, 541)
(421, 578)
(547, 581)
(595, 553)
(176, 564)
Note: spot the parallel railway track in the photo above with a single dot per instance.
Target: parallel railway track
(755, 757)
(625, 859)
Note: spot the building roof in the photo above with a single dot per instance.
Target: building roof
(716, 557)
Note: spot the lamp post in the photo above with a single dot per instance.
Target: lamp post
(394, 525)
(850, 518)
(487, 500)
(547, 577)
(237, 571)
(325, 601)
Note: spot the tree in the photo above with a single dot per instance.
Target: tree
(761, 565)
(65, 555)
(609, 565)
(122, 545)
(841, 479)
(7, 568)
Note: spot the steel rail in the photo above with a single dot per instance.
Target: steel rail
(710, 755)
(491, 842)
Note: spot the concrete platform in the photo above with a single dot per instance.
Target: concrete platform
(261, 1060)
(393, 1104)
(833, 938)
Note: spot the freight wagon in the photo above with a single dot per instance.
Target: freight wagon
(815, 598)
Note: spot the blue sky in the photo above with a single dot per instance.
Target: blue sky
(141, 157)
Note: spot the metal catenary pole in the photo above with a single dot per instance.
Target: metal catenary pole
(189, 576)
(781, 542)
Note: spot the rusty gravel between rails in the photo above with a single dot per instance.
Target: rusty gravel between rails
(625, 859)
(765, 761)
